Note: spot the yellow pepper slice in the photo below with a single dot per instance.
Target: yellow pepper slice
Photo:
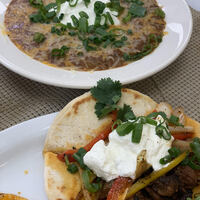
(196, 193)
(143, 182)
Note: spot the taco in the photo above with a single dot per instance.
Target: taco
(99, 137)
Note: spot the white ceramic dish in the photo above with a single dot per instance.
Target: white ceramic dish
(178, 28)
(21, 161)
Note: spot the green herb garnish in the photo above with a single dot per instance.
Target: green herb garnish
(110, 19)
(99, 7)
(87, 2)
(130, 32)
(163, 132)
(137, 133)
(36, 3)
(152, 42)
(78, 156)
(107, 93)
(73, 4)
(71, 167)
(174, 120)
(83, 14)
(75, 21)
(125, 128)
(90, 186)
(38, 37)
(193, 160)
(125, 113)
(83, 25)
(59, 53)
(173, 153)
(159, 13)
(114, 5)
(136, 10)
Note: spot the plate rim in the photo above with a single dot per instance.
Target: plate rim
(25, 73)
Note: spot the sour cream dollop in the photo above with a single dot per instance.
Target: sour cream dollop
(69, 11)
(119, 156)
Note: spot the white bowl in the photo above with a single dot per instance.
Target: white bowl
(178, 28)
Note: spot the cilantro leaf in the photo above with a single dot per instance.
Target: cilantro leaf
(107, 91)
(125, 113)
(102, 110)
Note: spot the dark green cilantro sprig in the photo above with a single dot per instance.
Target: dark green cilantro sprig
(107, 93)
(124, 114)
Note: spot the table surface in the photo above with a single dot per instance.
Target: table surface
(22, 99)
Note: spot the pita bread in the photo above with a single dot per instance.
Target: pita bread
(77, 124)
(59, 183)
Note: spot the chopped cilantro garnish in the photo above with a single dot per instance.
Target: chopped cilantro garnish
(125, 113)
(38, 37)
(107, 93)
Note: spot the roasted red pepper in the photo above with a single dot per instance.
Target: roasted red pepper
(119, 186)
(182, 136)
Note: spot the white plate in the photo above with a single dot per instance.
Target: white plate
(179, 28)
(20, 151)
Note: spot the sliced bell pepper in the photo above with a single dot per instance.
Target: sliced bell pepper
(102, 136)
(143, 182)
(182, 136)
(119, 186)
